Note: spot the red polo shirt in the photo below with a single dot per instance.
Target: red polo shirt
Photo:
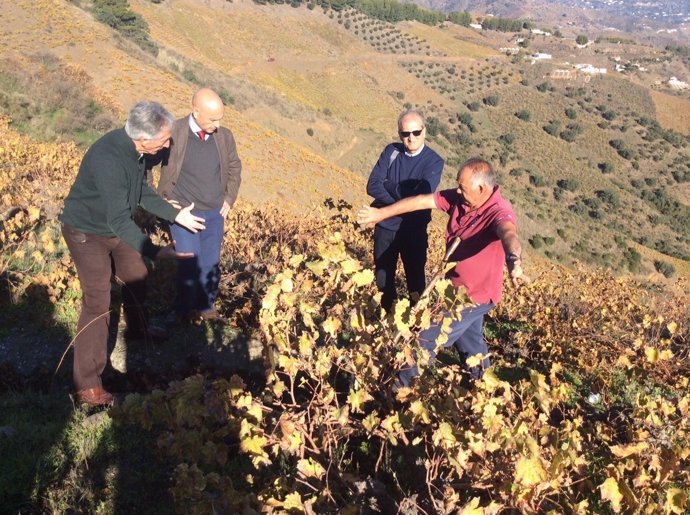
(480, 256)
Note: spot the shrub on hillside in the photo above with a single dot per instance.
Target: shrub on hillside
(524, 115)
(536, 241)
(568, 184)
(571, 132)
(606, 167)
(118, 15)
(537, 180)
(552, 128)
(491, 100)
(665, 268)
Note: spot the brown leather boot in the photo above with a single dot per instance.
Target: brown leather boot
(95, 397)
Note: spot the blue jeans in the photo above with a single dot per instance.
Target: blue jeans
(198, 277)
(467, 334)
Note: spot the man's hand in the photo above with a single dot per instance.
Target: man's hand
(225, 209)
(186, 219)
(369, 216)
(517, 277)
(169, 252)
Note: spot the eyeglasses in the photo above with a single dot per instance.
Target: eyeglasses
(406, 134)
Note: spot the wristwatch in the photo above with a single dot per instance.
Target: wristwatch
(512, 257)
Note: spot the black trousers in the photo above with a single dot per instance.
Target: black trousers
(410, 244)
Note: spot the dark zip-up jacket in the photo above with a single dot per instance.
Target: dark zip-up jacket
(110, 184)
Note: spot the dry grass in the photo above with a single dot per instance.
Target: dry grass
(672, 112)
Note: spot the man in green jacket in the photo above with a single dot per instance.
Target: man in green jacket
(103, 238)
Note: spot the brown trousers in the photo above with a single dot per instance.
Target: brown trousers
(97, 258)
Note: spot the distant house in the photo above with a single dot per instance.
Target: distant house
(477, 26)
(677, 84)
(589, 69)
(540, 57)
(539, 32)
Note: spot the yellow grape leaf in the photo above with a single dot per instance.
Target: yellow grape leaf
(623, 451)
(420, 412)
(472, 508)
(624, 361)
(392, 423)
(672, 327)
(293, 501)
(278, 389)
(269, 300)
(665, 355)
(317, 267)
(357, 320)
(256, 412)
(652, 354)
(286, 285)
(444, 435)
(350, 265)
(306, 344)
(254, 445)
(332, 326)
(310, 468)
(357, 398)
(610, 492)
(371, 421)
(676, 501)
(474, 361)
(363, 278)
(296, 260)
(289, 364)
(402, 317)
(529, 471)
(34, 213)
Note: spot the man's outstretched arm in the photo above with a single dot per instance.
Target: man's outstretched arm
(370, 216)
(507, 232)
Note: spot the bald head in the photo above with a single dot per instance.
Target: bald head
(207, 109)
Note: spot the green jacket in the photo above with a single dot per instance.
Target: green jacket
(110, 184)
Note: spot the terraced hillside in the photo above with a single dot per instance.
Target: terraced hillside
(275, 168)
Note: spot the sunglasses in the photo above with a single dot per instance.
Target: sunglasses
(406, 134)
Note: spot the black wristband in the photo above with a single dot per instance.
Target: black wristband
(512, 257)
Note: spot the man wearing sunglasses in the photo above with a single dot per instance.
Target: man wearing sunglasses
(403, 170)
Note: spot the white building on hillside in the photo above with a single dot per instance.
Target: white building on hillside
(539, 32)
(477, 26)
(677, 84)
(540, 57)
(588, 68)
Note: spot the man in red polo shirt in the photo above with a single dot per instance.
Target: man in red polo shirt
(487, 227)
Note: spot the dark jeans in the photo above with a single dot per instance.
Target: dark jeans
(97, 258)
(198, 277)
(467, 334)
(410, 244)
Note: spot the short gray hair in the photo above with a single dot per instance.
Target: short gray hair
(146, 120)
(409, 112)
(481, 170)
